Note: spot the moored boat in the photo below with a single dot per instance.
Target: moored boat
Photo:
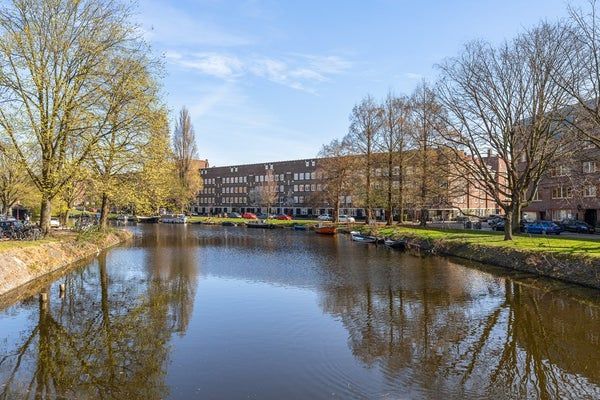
(359, 237)
(148, 220)
(299, 227)
(173, 219)
(395, 244)
(228, 223)
(262, 225)
(325, 229)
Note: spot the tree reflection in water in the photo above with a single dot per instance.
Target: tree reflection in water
(111, 343)
(491, 337)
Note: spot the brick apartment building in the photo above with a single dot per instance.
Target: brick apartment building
(228, 189)
(569, 190)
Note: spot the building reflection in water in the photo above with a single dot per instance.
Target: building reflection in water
(428, 326)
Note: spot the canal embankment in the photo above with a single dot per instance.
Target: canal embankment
(22, 263)
(568, 259)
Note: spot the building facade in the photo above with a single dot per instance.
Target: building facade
(297, 183)
(569, 190)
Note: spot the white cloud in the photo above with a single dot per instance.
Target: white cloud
(300, 72)
(218, 65)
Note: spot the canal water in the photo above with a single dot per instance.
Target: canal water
(196, 312)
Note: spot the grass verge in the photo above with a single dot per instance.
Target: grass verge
(550, 244)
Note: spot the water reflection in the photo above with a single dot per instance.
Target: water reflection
(233, 313)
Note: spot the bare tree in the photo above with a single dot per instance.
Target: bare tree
(580, 77)
(337, 169)
(395, 139)
(504, 100)
(428, 123)
(185, 149)
(53, 56)
(365, 124)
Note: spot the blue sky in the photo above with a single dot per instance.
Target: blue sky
(274, 80)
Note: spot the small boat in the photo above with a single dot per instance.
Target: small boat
(395, 244)
(228, 223)
(173, 219)
(359, 237)
(323, 229)
(299, 227)
(262, 225)
(148, 220)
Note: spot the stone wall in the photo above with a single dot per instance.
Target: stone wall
(22, 265)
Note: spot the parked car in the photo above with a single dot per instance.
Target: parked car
(234, 215)
(346, 219)
(54, 223)
(573, 225)
(248, 215)
(325, 217)
(543, 227)
(265, 216)
(283, 217)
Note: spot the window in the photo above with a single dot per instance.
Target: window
(313, 163)
(307, 163)
(536, 195)
(296, 199)
(281, 177)
(313, 187)
(560, 192)
(589, 167)
(313, 175)
(281, 189)
(301, 176)
(295, 176)
(261, 178)
(559, 171)
(301, 187)
(589, 191)
(295, 188)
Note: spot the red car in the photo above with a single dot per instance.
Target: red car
(283, 217)
(249, 216)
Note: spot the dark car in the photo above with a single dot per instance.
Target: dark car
(499, 225)
(573, 225)
(543, 227)
(234, 215)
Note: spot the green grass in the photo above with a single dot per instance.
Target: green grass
(216, 220)
(553, 244)
(6, 245)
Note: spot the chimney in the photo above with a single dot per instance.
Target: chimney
(489, 153)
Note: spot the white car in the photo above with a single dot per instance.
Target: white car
(325, 217)
(346, 219)
(54, 223)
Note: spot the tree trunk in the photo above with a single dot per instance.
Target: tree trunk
(64, 219)
(508, 225)
(388, 211)
(104, 212)
(424, 217)
(516, 227)
(45, 212)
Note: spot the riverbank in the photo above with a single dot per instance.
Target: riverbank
(568, 259)
(23, 262)
(241, 221)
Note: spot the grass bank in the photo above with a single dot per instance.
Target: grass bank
(568, 259)
(22, 262)
(541, 243)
